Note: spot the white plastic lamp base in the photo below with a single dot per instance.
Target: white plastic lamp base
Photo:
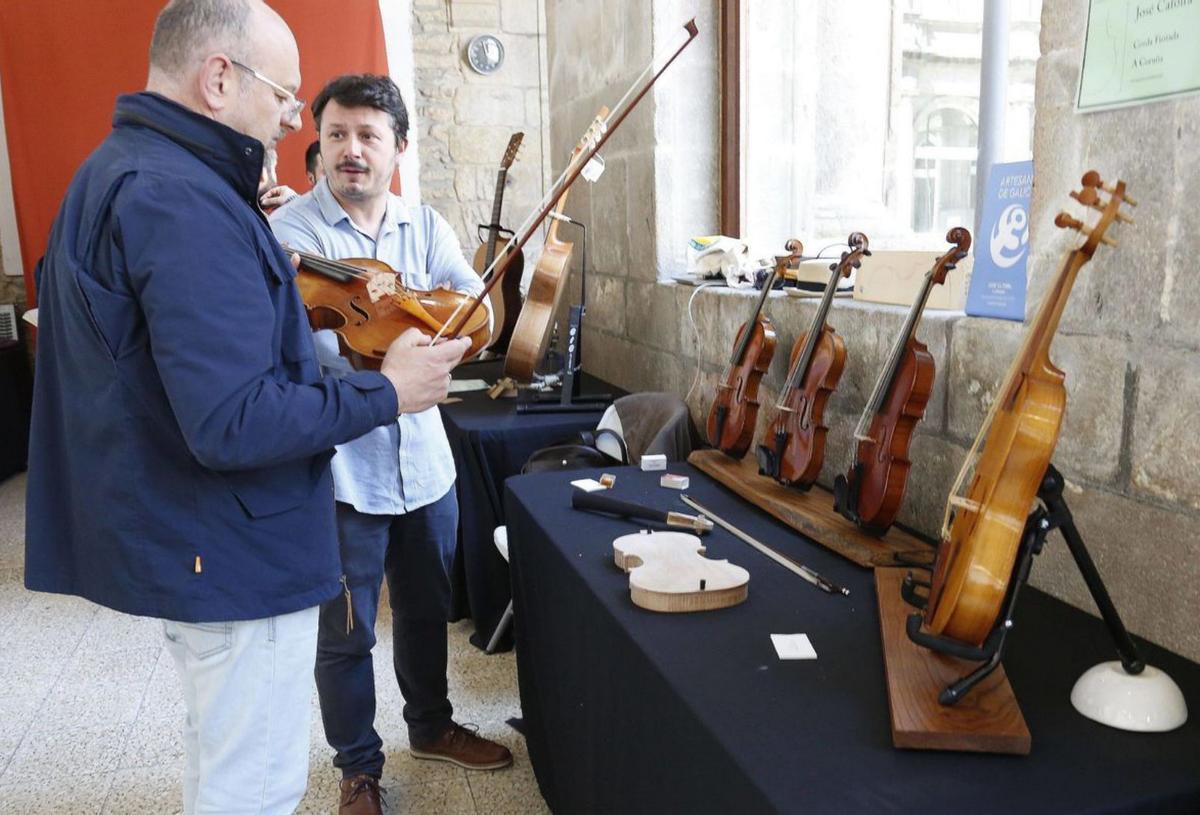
(1149, 702)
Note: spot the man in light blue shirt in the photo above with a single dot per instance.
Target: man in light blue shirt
(396, 507)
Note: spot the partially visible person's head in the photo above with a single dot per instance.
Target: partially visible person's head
(312, 163)
(234, 61)
(363, 126)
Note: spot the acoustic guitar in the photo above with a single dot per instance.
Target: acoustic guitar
(507, 304)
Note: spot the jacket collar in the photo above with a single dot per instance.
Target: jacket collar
(234, 156)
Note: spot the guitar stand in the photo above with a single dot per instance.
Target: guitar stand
(1052, 514)
(569, 398)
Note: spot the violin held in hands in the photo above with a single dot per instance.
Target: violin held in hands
(363, 301)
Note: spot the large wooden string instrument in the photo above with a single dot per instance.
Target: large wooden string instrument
(507, 305)
(793, 448)
(873, 490)
(366, 305)
(982, 530)
(598, 133)
(531, 336)
(734, 412)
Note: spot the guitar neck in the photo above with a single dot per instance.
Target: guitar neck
(494, 226)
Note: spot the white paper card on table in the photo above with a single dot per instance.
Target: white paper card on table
(793, 646)
(464, 385)
(588, 484)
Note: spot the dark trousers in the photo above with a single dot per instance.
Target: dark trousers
(414, 552)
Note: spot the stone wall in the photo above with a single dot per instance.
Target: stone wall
(1128, 342)
(464, 120)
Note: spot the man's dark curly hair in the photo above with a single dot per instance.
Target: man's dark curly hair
(365, 91)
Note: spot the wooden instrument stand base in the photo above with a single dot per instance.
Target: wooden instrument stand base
(811, 514)
(987, 720)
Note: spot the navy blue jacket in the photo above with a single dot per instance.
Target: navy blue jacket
(179, 457)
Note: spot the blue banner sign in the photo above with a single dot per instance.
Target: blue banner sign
(1002, 245)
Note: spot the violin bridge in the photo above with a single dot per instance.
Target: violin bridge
(964, 503)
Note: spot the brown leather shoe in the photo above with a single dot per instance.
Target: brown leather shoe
(460, 745)
(360, 796)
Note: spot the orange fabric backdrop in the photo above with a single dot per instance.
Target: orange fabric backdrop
(63, 63)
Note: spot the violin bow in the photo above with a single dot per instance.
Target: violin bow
(598, 132)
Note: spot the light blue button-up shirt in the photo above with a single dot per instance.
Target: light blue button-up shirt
(399, 467)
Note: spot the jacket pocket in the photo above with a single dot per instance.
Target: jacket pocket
(274, 490)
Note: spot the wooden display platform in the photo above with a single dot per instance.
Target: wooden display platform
(809, 513)
(986, 720)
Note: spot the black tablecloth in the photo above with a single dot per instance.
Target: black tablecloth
(16, 389)
(631, 711)
(490, 442)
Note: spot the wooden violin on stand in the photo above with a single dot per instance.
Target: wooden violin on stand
(793, 448)
(982, 530)
(873, 490)
(734, 413)
(598, 133)
(364, 302)
(507, 305)
(531, 335)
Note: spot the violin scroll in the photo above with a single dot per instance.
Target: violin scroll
(1110, 211)
(852, 258)
(961, 238)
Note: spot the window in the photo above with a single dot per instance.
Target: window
(863, 116)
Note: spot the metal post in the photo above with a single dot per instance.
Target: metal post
(993, 98)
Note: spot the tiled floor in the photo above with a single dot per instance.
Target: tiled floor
(90, 713)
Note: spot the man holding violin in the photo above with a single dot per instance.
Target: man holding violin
(182, 428)
(397, 512)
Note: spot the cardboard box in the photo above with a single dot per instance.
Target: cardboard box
(896, 277)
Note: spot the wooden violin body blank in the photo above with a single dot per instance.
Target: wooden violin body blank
(668, 572)
(734, 413)
(793, 448)
(341, 295)
(983, 527)
(871, 493)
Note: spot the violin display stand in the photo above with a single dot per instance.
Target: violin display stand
(811, 513)
(1052, 513)
(987, 721)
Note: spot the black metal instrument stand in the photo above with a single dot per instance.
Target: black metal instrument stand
(569, 399)
(1052, 513)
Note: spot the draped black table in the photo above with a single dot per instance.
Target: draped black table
(490, 442)
(16, 393)
(631, 711)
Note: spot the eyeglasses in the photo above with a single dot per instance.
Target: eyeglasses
(294, 103)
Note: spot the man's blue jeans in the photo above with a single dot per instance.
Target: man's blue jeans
(414, 552)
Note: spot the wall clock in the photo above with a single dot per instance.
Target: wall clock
(485, 53)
